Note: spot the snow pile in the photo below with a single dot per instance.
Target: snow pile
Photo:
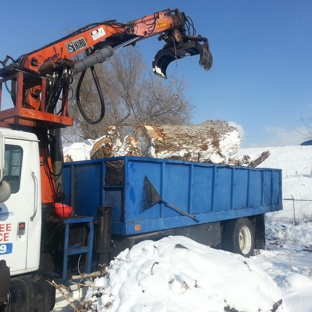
(178, 274)
(78, 151)
(297, 289)
(288, 260)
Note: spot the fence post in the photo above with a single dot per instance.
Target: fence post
(294, 209)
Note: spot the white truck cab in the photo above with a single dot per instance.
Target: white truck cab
(20, 214)
(20, 220)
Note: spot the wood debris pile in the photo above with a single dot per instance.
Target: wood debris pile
(209, 142)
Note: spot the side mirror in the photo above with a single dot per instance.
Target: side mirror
(5, 191)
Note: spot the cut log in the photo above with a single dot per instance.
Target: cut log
(248, 160)
(209, 142)
(111, 145)
(259, 160)
(67, 158)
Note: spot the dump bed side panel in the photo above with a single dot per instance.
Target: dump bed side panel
(83, 186)
(155, 194)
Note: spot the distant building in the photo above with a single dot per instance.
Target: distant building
(309, 142)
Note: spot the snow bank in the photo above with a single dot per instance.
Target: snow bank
(78, 151)
(178, 274)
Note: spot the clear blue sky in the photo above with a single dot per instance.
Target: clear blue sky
(261, 78)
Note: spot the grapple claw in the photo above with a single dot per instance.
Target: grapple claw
(170, 53)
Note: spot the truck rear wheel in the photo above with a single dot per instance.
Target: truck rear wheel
(239, 237)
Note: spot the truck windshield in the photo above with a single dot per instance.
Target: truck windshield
(13, 165)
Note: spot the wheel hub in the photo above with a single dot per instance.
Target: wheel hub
(245, 240)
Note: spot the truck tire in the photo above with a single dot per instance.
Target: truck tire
(239, 237)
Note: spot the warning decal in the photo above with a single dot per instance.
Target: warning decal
(96, 34)
(76, 45)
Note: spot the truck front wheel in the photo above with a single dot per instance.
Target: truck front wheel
(239, 237)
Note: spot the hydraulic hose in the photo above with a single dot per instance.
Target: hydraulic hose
(81, 66)
(102, 102)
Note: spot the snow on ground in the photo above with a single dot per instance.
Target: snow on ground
(177, 274)
(296, 165)
(288, 260)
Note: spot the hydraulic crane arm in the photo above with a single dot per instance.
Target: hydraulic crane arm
(57, 62)
(169, 24)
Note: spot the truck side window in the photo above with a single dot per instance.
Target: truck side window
(13, 166)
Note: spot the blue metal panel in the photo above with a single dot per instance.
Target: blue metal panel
(176, 188)
(223, 188)
(202, 188)
(83, 186)
(255, 188)
(87, 186)
(276, 187)
(114, 198)
(240, 188)
(267, 187)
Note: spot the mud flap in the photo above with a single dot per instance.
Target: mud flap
(4, 281)
(171, 53)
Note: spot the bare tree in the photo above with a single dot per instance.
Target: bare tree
(306, 130)
(132, 97)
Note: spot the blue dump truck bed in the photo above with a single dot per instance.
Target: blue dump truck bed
(149, 194)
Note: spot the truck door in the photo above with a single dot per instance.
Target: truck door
(20, 215)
